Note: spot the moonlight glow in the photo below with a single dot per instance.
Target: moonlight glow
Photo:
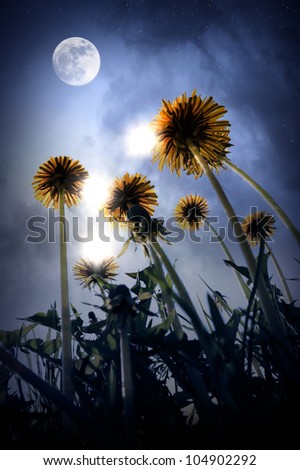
(95, 192)
(140, 140)
(76, 61)
(97, 250)
(94, 196)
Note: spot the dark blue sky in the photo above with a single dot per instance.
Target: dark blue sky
(244, 54)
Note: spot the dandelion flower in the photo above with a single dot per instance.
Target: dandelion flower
(128, 191)
(86, 270)
(258, 225)
(187, 121)
(55, 174)
(57, 182)
(191, 211)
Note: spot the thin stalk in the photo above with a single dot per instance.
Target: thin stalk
(167, 297)
(273, 320)
(275, 325)
(280, 274)
(283, 216)
(127, 388)
(67, 385)
(228, 254)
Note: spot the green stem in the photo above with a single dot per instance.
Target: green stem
(67, 385)
(273, 320)
(285, 219)
(228, 254)
(280, 274)
(127, 389)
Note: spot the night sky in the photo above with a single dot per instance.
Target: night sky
(244, 54)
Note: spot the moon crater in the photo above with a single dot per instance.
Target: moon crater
(76, 61)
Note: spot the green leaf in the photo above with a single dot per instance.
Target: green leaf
(132, 275)
(51, 346)
(48, 337)
(100, 346)
(89, 364)
(233, 324)
(147, 276)
(145, 295)
(216, 318)
(96, 328)
(33, 344)
(138, 322)
(102, 283)
(219, 296)
(241, 269)
(49, 319)
(291, 312)
(222, 333)
(152, 336)
(169, 281)
(12, 338)
(111, 340)
(77, 315)
(92, 305)
(42, 348)
(125, 247)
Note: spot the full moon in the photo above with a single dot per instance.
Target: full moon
(76, 61)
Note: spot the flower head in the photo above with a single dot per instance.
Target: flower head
(191, 211)
(257, 226)
(119, 301)
(128, 191)
(55, 174)
(86, 271)
(189, 121)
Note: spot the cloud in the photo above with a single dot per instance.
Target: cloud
(244, 56)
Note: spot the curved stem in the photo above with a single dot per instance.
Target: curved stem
(280, 274)
(285, 219)
(67, 385)
(228, 254)
(273, 320)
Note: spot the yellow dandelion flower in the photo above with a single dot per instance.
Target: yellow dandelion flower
(85, 270)
(55, 174)
(126, 192)
(257, 226)
(190, 121)
(191, 211)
